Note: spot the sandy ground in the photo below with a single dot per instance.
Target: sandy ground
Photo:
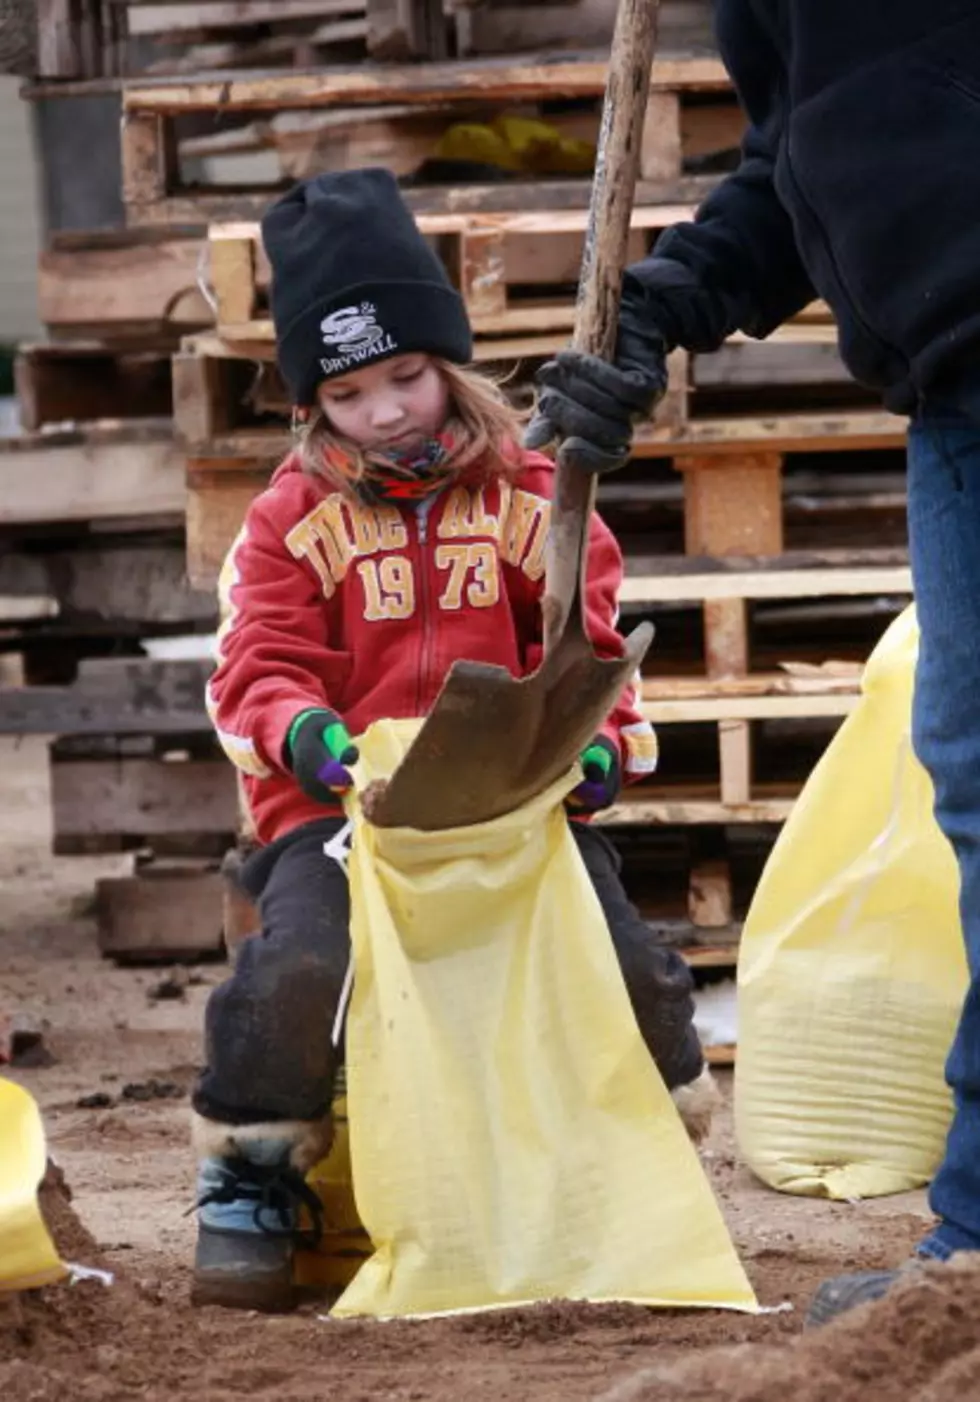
(130, 1170)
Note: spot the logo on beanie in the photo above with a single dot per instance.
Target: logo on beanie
(355, 333)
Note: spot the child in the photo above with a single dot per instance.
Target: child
(407, 531)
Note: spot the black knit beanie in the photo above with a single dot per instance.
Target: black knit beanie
(353, 281)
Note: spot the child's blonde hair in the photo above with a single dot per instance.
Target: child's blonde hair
(483, 430)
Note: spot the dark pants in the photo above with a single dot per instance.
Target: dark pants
(269, 1028)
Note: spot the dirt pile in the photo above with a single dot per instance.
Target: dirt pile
(920, 1344)
(98, 1344)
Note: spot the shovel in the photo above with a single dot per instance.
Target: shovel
(492, 742)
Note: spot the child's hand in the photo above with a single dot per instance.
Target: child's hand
(600, 765)
(319, 751)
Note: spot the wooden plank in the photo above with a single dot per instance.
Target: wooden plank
(660, 150)
(533, 77)
(216, 507)
(401, 30)
(722, 438)
(726, 637)
(63, 43)
(142, 583)
(519, 221)
(113, 287)
(640, 809)
(735, 751)
(831, 680)
(269, 49)
(799, 432)
(805, 355)
(96, 475)
(205, 204)
(765, 584)
(737, 709)
(115, 696)
(483, 281)
(506, 26)
(732, 509)
(221, 14)
(202, 399)
(25, 608)
(710, 128)
(233, 278)
(143, 162)
(142, 799)
(167, 914)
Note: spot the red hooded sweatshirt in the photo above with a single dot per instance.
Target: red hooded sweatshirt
(363, 609)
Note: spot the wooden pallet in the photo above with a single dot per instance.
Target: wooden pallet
(516, 271)
(69, 383)
(708, 727)
(167, 912)
(114, 798)
(155, 192)
(130, 584)
(113, 697)
(107, 471)
(98, 39)
(124, 287)
(232, 34)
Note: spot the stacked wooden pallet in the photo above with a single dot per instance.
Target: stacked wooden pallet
(93, 597)
(89, 39)
(762, 518)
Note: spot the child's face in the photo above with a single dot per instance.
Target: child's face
(395, 405)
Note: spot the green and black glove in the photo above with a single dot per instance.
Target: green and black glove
(603, 778)
(319, 752)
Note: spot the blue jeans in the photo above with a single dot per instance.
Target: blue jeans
(944, 538)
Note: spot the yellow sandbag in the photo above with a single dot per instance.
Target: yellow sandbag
(852, 970)
(517, 143)
(344, 1245)
(511, 1139)
(28, 1259)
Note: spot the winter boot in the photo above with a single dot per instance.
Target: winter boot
(844, 1293)
(249, 1226)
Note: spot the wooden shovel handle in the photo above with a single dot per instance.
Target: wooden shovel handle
(600, 284)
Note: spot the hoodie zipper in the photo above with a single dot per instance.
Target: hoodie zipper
(425, 651)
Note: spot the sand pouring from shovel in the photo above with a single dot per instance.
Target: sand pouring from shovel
(491, 741)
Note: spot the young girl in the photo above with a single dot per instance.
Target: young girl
(407, 531)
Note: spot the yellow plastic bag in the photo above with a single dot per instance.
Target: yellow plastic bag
(516, 143)
(28, 1259)
(511, 1139)
(852, 970)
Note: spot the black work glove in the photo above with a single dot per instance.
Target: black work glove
(590, 406)
(319, 752)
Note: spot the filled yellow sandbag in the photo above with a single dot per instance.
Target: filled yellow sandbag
(852, 970)
(517, 143)
(511, 1139)
(28, 1259)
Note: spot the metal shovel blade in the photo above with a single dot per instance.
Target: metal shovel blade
(493, 742)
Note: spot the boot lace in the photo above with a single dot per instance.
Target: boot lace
(278, 1192)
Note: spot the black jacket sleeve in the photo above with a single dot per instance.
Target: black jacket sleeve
(734, 268)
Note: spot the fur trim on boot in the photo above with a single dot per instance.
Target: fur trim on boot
(309, 1140)
(697, 1103)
